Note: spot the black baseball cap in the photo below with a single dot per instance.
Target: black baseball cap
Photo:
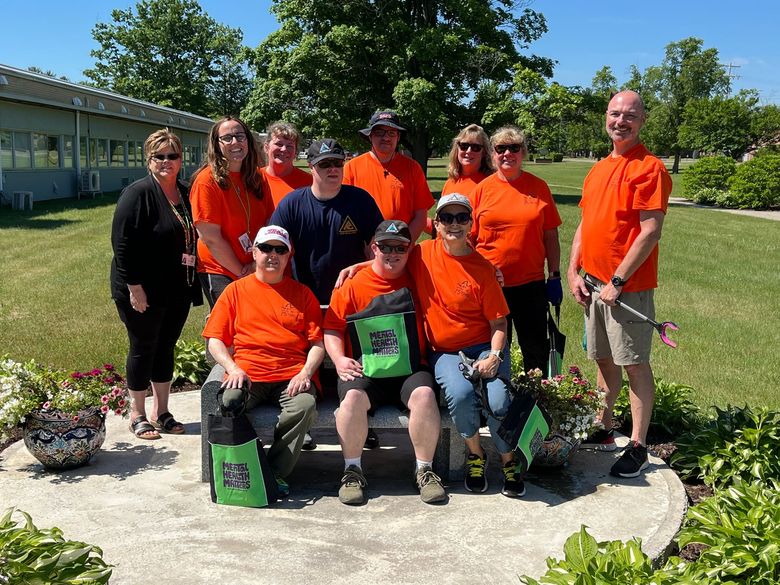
(393, 229)
(322, 149)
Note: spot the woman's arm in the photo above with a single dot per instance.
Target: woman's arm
(211, 234)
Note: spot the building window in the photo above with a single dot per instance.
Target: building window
(67, 151)
(139, 154)
(92, 152)
(47, 151)
(196, 155)
(117, 152)
(187, 155)
(83, 152)
(6, 150)
(102, 152)
(22, 150)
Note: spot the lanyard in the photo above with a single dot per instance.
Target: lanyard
(189, 234)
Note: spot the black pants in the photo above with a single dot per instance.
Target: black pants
(213, 285)
(152, 335)
(528, 313)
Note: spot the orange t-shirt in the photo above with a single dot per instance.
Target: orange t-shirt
(270, 326)
(462, 185)
(278, 187)
(355, 295)
(458, 295)
(614, 192)
(509, 224)
(398, 187)
(235, 210)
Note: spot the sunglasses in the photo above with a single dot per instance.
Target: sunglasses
(268, 248)
(331, 164)
(387, 249)
(502, 148)
(229, 138)
(461, 218)
(383, 133)
(464, 146)
(162, 157)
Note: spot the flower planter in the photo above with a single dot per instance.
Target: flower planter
(64, 441)
(556, 452)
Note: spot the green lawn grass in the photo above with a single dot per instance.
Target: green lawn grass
(718, 276)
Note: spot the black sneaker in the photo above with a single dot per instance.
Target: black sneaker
(309, 444)
(372, 441)
(601, 440)
(283, 488)
(475, 474)
(513, 485)
(631, 462)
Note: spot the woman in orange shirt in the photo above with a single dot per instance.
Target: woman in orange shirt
(516, 229)
(470, 161)
(228, 206)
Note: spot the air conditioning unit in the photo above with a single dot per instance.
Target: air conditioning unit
(22, 200)
(90, 181)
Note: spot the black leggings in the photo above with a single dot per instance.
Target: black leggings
(152, 335)
(528, 313)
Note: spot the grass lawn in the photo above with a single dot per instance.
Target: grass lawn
(718, 276)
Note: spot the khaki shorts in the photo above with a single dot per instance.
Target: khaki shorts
(616, 333)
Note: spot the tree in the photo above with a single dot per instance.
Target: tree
(687, 73)
(719, 124)
(170, 52)
(332, 64)
(47, 72)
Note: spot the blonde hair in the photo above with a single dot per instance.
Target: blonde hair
(283, 129)
(160, 139)
(469, 133)
(509, 135)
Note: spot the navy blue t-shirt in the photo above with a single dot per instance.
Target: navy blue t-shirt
(327, 235)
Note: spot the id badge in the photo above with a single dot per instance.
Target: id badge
(245, 242)
(188, 259)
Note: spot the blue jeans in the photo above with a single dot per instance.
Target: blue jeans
(462, 399)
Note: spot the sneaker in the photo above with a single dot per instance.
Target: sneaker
(282, 487)
(352, 484)
(475, 474)
(309, 444)
(601, 440)
(513, 485)
(372, 441)
(429, 485)
(631, 462)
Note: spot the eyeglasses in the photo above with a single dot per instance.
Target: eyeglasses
(464, 146)
(502, 148)
(162, 157)
(382, 133)
(228, 138)
(331, 164)
(387, 249)
(268, 248)
(461, 218)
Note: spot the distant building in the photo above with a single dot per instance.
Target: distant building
(58, 139)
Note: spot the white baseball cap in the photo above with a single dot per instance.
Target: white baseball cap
(273, 232)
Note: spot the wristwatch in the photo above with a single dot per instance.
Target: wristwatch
(617, 281)
(497, 353)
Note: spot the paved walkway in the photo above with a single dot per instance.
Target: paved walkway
(773, 215)
(144, 504)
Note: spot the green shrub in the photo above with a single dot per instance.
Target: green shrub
(31, 555)
(189, 362)
(738, 444)
(741, 528)
(756, 184)
(712, 172)
(673, 411)
(555, 157)
(709, 196)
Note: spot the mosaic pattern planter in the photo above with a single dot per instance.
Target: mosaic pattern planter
(64, 441)
(556, 452)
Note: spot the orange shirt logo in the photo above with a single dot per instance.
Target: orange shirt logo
(463, 288)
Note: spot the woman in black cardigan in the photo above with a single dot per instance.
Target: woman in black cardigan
(153, 280)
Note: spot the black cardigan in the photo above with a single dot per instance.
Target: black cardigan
(148, 243)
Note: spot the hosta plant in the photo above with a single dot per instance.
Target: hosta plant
(189, 362)
(674, 411)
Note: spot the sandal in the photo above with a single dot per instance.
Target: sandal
(142, 428)
(166, 423)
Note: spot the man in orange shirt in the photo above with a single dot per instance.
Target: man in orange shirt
(272, 324)
(401, 379)
(624, 200)
(280, 176)
(395, 181)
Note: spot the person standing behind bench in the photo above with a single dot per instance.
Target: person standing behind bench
(360, 392)
(394, 180)
(272, 326)
(281, 176)
(624, 201)
(153, 280)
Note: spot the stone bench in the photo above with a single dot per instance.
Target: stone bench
(448, 461)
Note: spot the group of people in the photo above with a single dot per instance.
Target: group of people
(272, 246)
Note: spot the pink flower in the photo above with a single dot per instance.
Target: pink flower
(108, 367)
(104, 409)
(104, 399)
(75, 418)
(122, 403)
(95, 372)
(46, 405)
(118, 412)
(576, 380)
(545, 382)
(77, 375)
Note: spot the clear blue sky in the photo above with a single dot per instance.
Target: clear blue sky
(583, 37)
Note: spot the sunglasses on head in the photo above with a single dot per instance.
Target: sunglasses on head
(228, 138)
(502, 148)
(447, 218)
(268, 248)
(331, 164)
(464, 146)
(171, 156)
(388, 249)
